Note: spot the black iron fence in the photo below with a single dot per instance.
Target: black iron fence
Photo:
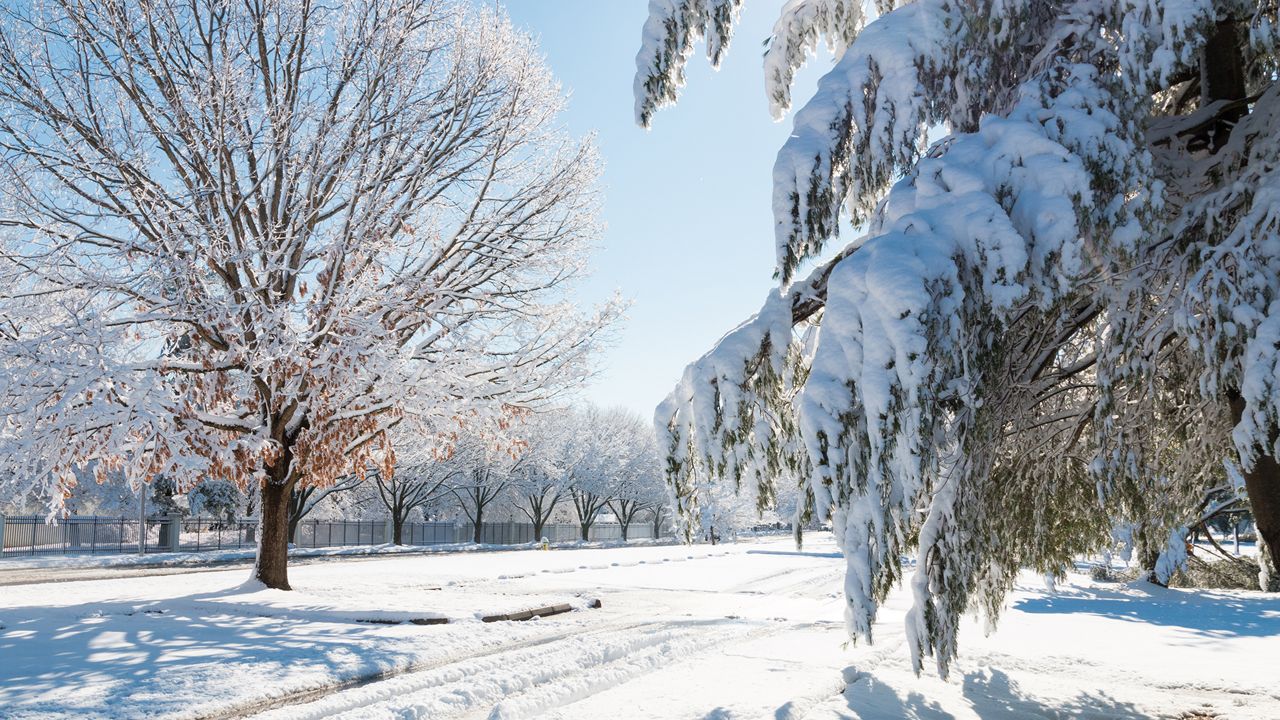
(32, 535)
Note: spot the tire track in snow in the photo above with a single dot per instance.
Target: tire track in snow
(534, 677)
(612, 666)
(285, 705)
(458, 685)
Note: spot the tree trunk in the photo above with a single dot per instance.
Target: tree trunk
(624, 526)
(478, 526)
(297, 501)
(538, 524)
(586, 531)
(1262, 485)
(1222, 78)
(397, 529)
(272, 567)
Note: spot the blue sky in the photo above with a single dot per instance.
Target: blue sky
(689, 237)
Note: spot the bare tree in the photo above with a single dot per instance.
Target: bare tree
(244, 240)
(305, 499)
(476, 488)
(638, 483)
(408, 490)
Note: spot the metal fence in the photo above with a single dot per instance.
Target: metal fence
(334, 533)
(31, 535)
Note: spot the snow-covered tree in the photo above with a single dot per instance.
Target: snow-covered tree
(304, 499)
(1062, 315)
(219, 498)
(637, 482)
(604, 443)
(410, 489)
(166, 500)
(244, 240)
(538, 483)
(478, 474)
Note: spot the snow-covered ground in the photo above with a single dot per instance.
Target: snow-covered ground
(749, 630)
(20, 570)
(193, 559)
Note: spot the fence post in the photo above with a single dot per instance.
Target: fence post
(174, 525)
(2, 533)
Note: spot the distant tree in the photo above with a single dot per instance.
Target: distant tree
(409, 490)
(478, 475)
(303, 500)
(612, 464)
(539, 480)
(638, 485)
(220, 499)
(166, 500)
(658, 517)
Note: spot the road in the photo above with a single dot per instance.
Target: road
(748, 630)
(667, 634)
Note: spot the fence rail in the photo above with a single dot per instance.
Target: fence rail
(90, 535)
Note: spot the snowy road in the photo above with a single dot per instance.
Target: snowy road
(750, 630)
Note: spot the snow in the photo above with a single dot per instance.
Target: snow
(46, 566)
(874, 105)
(800, 26)
(204, 558)
(666, 43)
(745, 630)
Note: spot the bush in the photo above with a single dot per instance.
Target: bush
(1235, 574)
(1102, 573)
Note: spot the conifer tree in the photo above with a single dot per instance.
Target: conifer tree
(1062, 316)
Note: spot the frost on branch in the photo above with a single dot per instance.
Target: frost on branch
(671, 31)
(801, 25)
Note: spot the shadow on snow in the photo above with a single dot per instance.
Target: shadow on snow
(992, 695)
(1202, 612)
